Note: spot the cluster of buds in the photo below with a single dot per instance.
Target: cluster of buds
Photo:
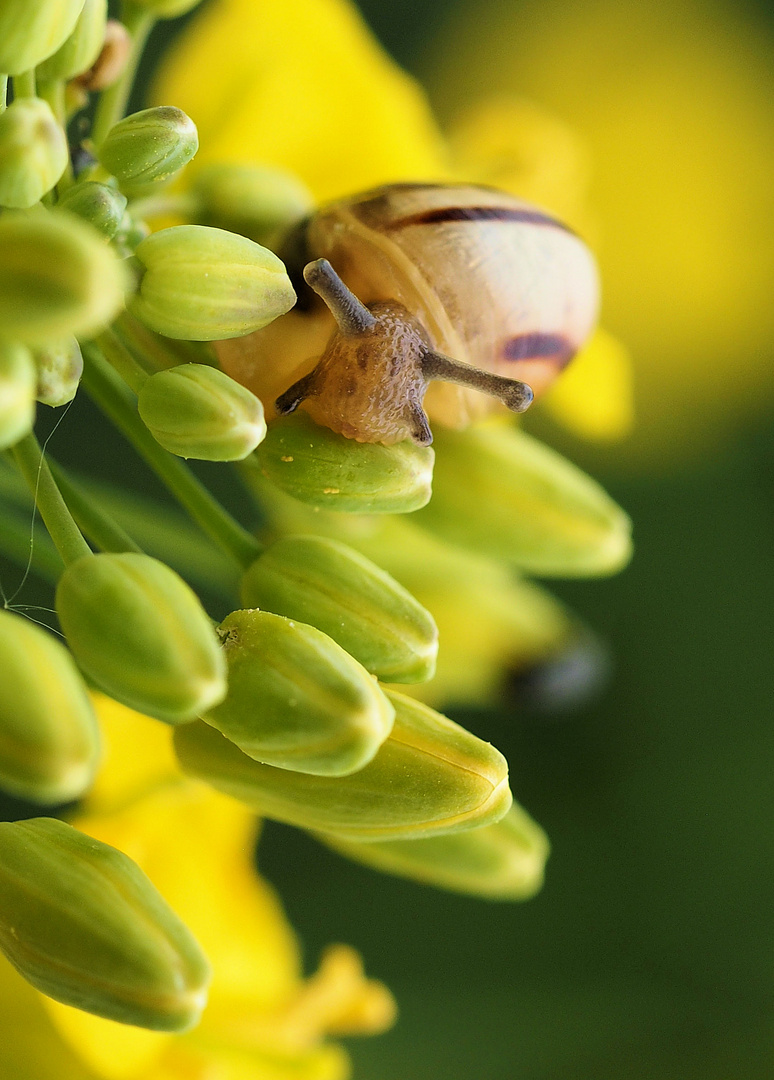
(289, 703)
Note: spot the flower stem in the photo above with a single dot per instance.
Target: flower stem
(108, 391)
(19, 544)
(123, 360)
(112, 103)
(48, 498)
(101, 528)
(24, 84)
(3, 92)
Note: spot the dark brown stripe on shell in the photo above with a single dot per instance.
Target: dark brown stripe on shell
(478, 213)
(538, 346)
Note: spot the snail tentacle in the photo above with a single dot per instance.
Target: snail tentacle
(516, 395)
(351, 316)
(305, 387)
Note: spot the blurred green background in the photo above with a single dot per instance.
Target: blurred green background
(649, 954)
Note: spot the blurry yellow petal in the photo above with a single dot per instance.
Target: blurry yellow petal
(513, 144)
(30, 1047)
(137, 754)
(301, 84)
(113, 1051)
(194, 1059)
(595, 395)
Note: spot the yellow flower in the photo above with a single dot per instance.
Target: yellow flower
(263, 1021)
(355, 121)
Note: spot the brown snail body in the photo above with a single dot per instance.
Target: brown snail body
(414, 275)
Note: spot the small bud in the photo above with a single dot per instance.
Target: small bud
(504, 861)
(112, 59)
(253, 200)
(429, 777)
(320, 467)
(149, 147)
(57, 277)
(502, 493)
(81, 48)
(83, 924)
(49, 739)
(59, 366)
(140, 633)
(31, 32)
(196, 411)
(296, 699)
(167, 9)
(204, 284)
(99, 204)
(17, 393)
(327, 584)
(33, 152)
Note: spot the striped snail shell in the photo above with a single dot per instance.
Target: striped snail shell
(425, 282)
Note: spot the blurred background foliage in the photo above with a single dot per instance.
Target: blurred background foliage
(650, 952)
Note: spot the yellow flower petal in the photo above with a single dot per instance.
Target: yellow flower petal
(113, 1051)
(594, 397)
(301, 84)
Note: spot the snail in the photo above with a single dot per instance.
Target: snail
(483, 295)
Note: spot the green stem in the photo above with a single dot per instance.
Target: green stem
(115, 399)
(157, 352)
(112, 103)
(18, 544)
(53, 509)
(3, 92)
(123, 360)
(24, 84)
(101, 528)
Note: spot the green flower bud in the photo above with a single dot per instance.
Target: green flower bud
(429, 777)
(149, 147)
(502, 493)
(296, 699)
(57, 277)
(320, 467)
(141, 635)
(99, 204)
(81, 48)
(83, 924)
(504, 861)
(204, 284)
(196, 411)
(17, 393)
(59, 367)
(49, 739)
(348, 597)
(29, 32)
(253, 200)
(167, 9)
(33, 152)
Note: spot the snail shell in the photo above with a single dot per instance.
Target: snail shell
(488, 279)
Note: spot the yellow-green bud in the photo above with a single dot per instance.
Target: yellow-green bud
(327, 584)
(83, 924)
(504, 861)
(203, 284)
(196, 411)
(429, 777)
(320, 467)
(57, 277)
(33, 152)
(296, 699)
(502, 493)
(99, 204)
(167, 9)
(49, 740)
(59, 368)
(149, 147)
(18, 380)
(140, 633)
(257, 201)
(81, 48)
(29, 32)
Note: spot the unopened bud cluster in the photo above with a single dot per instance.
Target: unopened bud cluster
(288, 703)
